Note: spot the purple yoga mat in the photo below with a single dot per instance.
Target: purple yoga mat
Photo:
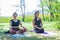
(42, 33)
(46, 33)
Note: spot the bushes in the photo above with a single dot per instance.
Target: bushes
(4, 19)
(7, 19)
(28, 18)
(57, 25)
(47, 17)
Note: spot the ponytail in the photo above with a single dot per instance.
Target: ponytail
(35, 14)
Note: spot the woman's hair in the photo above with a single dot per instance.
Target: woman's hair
(37, 12)
(14, 14)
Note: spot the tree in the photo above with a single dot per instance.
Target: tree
(42, 8)
(22, 4)
(50, 8)
(53, 8)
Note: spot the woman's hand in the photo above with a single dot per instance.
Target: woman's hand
(36, 27)
(23, 27)
(40, 28)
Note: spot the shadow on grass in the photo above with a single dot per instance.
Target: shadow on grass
(7, 37)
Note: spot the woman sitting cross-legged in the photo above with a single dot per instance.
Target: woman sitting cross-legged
(37, 23)
(14, 25)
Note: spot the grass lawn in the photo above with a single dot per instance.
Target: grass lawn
(48, 26)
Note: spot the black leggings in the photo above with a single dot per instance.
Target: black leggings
(39, 30)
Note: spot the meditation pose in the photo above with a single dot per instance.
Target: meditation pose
(37, 23)
(14, 25)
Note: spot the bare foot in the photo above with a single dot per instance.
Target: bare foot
(17, 32)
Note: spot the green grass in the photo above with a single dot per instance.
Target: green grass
(34, 37)
(29, 26)
(48, 26)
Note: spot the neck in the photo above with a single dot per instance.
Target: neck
(36, 17)
(14, 18)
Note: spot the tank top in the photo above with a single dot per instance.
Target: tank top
(37, 22)
(15, 23)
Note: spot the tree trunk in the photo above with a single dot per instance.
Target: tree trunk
(50, 8)
(23, 9)
(42, 9)
(43, 12)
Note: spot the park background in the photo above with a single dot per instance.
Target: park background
(49, 13)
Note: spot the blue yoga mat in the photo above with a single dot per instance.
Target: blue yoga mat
(20, 35)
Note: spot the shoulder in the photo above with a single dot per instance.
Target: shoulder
(34, 19)
(11, 20)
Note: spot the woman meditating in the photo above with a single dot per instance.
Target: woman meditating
(37, 23)
(14, 25)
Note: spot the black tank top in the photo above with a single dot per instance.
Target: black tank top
(37, 22)
(15, 23)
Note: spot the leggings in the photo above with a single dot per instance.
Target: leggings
(39, 30)
(14, 30)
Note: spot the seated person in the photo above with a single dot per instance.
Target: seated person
(37, 23)
(14, 25)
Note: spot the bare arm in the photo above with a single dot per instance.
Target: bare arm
(21, 25)
(41, 24)
(10, 25)
(34, 24)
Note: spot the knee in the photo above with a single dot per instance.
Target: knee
(12, 31)
(24, 30)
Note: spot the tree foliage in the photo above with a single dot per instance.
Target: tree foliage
(53, 7)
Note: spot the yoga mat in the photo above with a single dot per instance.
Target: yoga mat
(46, 33)
(20, 35)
